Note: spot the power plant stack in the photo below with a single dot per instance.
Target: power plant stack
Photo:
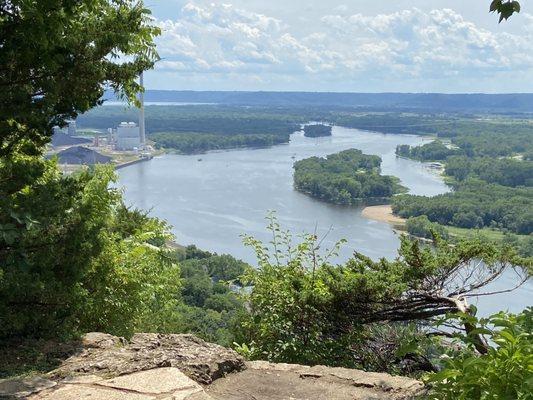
(142, 133)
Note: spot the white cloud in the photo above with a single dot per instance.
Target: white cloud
(409, 44)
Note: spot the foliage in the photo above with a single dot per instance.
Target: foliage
(473, 204)
(73, 257)
(433, 151)
(472, 136)
(505, 8)
(305, 310)
(49, 48)
(317, 130)
(211, 302)
(505, 372)
(190, 143)
(348, 177)
(422, 227)
(506, 172)
(212, 119)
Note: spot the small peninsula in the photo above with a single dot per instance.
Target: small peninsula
(347, 178)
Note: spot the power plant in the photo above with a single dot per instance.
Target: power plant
(128, 135)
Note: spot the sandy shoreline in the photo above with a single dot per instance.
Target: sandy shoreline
(382, 213)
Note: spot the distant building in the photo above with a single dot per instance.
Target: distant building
(79, 155)
(128, 137)
(71, 129)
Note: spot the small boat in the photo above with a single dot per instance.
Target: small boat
(199, 159)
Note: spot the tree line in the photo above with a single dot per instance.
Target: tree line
(193, 143)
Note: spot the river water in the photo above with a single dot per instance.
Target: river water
(212, 199)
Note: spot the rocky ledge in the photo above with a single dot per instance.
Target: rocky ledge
(183, 367)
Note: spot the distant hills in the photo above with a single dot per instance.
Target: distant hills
(502, 103)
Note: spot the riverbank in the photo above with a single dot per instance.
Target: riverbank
(382, 213)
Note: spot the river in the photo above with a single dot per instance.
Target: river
(212, 199)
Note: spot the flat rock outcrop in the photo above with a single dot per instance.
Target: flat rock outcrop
(110, 356)
(184, 367)
(266, 381)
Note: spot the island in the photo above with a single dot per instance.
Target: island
(318, 130)
(347, 178)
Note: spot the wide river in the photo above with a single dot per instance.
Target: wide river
(212, 199)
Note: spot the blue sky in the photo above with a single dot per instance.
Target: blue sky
(348, 46)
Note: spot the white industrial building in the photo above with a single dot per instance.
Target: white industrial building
(128, 136)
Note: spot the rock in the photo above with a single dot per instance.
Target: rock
(155, 384)
(267, 381)
(183, 367)
(22, 388)
(109, 356)
(98, 340)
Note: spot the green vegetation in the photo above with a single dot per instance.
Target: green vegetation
(74, 258)
(505, 172)
(433, 151)
(212, 119)
(349, 177)
(211, 307)
(474, 204)
(490, 172)
(496, 137)
(304, 309)
(504, 372)
(422, 227)
(317, 130)
(53, 45)
(190, 143)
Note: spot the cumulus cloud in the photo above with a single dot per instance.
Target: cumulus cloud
(409, 44)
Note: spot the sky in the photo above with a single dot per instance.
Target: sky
(448, 46)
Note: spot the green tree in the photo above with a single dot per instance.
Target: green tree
(58, 56)
(73, 258)
(304, 309)
(68, 250)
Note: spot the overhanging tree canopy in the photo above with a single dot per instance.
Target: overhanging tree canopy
(58, 56)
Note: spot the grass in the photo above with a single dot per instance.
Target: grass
(464, 233)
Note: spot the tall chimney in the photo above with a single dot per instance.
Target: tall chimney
(142, 133)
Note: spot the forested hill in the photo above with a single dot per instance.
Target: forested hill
(504, 103)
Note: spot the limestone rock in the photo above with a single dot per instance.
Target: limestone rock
(266, 381)
(22, 388)
(109, 356)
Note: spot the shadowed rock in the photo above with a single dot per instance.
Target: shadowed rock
(107, 355)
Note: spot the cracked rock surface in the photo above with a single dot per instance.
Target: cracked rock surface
(183, 367)
(266, 381)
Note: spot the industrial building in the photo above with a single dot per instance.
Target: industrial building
(128, 136)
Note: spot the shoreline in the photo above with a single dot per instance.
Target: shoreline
(382, 213)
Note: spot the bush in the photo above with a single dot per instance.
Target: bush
(505, 372)
(422, 227)
(75, 259)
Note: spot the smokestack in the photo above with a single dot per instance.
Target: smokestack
(142, 133)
